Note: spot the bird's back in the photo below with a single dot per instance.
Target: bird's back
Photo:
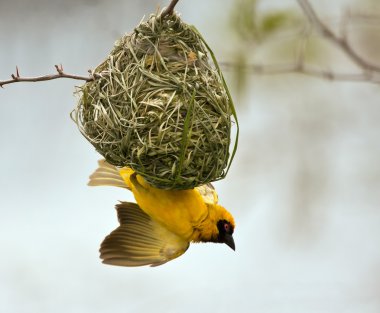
(178, 210)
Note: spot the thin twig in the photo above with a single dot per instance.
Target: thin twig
(169, 10)
(16, 78)
(300, 68)
(341, 42)
(369, 72)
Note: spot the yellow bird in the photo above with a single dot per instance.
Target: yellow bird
(162, 224)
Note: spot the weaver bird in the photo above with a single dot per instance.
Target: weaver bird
(160, 227)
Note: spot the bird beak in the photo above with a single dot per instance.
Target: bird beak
(229, 241)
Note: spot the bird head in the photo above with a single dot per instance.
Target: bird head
(220, 226)
(226, 229)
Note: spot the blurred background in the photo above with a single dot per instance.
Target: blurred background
(304, 186)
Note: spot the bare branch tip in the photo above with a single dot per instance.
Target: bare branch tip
(341, 40)
(59, 69)
(170, 9)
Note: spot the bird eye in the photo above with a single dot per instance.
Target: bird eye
(227, 227)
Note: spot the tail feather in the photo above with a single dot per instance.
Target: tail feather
(106, 175)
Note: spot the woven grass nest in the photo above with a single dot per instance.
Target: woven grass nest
(159, 105)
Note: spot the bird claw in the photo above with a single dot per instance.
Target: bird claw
(135, 182)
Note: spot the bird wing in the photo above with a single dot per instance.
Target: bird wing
(139, 240)
(208, 193)
(107, 175)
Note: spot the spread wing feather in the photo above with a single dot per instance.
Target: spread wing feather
(139, 240)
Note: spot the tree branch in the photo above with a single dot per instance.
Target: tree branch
(16, 78)
(340, 41)
(169, 10)
(277, 69)
(368, 73)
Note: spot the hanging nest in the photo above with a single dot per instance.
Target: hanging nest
(158, 106)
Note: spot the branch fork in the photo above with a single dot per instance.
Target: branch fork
(369, 72)
(60, 74)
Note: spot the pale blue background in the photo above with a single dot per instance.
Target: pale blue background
(304, 186)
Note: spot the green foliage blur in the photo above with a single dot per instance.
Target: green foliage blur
(249, 23)
(275, 36)
(254, 29)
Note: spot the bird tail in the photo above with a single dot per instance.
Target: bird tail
(108, 175)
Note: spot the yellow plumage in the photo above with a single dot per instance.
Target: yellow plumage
(163, 223)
